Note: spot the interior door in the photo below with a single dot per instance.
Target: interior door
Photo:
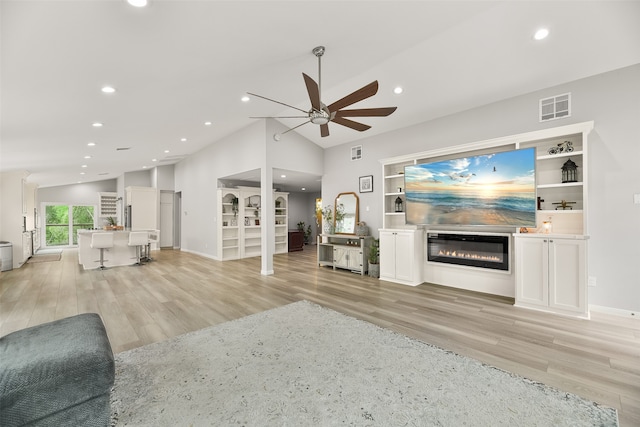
(166, 219)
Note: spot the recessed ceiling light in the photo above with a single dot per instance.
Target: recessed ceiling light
(303, 189)
(154, 160)
(97, 125)
(398, 90)
(283, 176)
(207, 123)
(144, 167)
(245, 98)
(82, 173)
(87, 157)
(83, 166)
(108, 89)
(137, 3)
(91, 144)
(183, 139)
(166, 151)
(542, 33)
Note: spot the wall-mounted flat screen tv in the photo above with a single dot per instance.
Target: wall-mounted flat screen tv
(494, 190)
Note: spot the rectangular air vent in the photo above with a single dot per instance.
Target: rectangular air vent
(123, 148)
(555, 107)
(356, 152)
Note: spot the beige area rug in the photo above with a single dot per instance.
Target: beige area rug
(46, 257)
(305, 365)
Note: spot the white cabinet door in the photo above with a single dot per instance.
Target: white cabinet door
(387, 255)
(347, 257)
(355, 259)
(341, 257)
(532, 272)
(567, 275)
(401, 256)
(404, 256)
(551, 274)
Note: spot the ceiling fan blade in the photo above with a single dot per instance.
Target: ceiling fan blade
(362, 93)
(324, 130)
(277, 102)
(295, 127)
(366, 112)
(351, 124)
(313, 91)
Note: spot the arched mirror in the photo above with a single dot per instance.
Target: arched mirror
(346, 213)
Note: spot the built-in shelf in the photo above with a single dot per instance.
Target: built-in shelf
(565, 184)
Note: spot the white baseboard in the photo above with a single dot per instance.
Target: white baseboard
(200, 253)
(615, 311)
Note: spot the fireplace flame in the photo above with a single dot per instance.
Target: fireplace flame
(469, 255)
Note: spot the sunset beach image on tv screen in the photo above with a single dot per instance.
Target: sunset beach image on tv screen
(494, 189)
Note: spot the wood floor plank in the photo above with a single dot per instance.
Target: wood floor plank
(179, 292)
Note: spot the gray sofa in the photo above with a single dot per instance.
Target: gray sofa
(57, 374)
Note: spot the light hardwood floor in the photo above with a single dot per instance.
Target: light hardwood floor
(179, 292)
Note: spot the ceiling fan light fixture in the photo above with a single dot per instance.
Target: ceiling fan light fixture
(319, 117)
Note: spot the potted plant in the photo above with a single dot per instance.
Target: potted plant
(306, 233)
(111, 223)
(374, 258)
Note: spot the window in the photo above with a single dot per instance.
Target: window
(62, 223)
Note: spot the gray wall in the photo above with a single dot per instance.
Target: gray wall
(611, 100)
(75, 194)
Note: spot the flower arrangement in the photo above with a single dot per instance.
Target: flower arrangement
(327, 213)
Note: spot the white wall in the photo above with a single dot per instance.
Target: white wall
(611, 100)
(162, 178)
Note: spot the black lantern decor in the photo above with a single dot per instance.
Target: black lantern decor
(569, 171)
(398, 204)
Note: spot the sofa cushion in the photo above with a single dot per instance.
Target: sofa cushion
(50, 367)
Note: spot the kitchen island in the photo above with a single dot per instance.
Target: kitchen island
(120, 254)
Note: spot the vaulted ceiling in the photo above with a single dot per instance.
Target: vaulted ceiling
(178, 64)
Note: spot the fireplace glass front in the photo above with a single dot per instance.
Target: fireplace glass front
(473, 250)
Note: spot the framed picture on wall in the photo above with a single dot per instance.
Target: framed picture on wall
(366, 184)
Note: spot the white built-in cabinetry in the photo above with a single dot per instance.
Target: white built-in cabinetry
(107, 205)
(401, 256)
(563, 204)
(144, 207)
(551, 273)
(344, 251)
(240, 223)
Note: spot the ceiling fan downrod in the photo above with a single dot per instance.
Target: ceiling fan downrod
(318, 52)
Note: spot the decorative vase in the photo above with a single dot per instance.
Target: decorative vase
(328, 228)
(374, 270)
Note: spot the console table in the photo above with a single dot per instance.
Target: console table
(296, 240)
(344, 251)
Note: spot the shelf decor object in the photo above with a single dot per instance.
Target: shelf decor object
(398, 204)
(569, 171)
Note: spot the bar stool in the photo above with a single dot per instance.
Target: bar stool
(138, 239)
(101, 241)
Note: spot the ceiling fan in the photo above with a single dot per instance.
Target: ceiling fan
(321, 114)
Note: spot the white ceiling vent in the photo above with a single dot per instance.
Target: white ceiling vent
(556, 107)
(356, 152)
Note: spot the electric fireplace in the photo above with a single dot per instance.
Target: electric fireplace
(473, 250)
